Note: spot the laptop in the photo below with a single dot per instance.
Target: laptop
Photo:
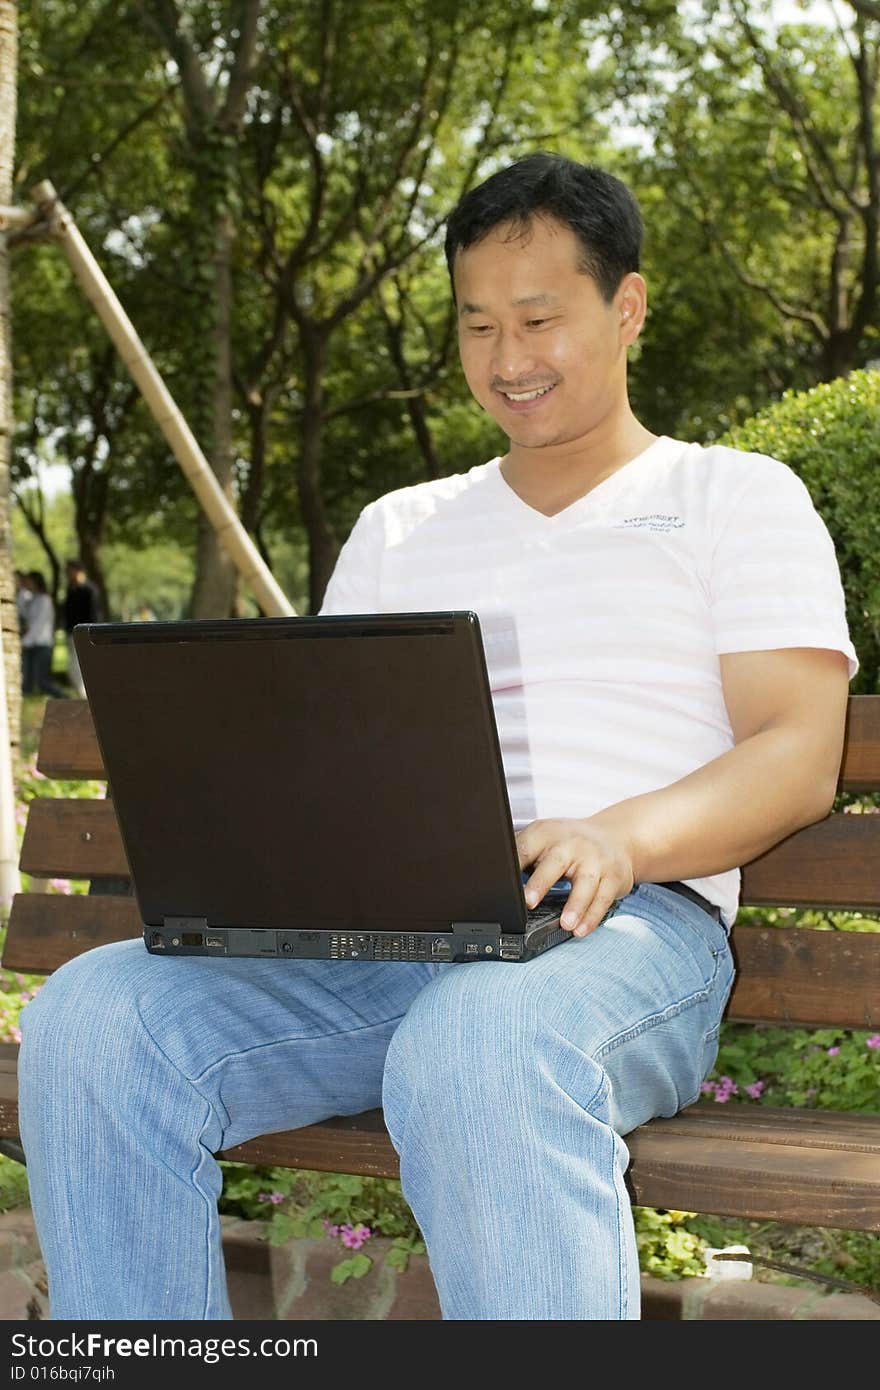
(312, 788)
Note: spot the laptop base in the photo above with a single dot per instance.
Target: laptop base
(466, 941)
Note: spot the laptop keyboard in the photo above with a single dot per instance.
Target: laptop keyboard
(544, 912)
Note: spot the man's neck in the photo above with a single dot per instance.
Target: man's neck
(552, 478)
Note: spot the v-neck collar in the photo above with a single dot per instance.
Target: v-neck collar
(540, 519)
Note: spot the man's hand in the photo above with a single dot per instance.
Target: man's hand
(597, 861)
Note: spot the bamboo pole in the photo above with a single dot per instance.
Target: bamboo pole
(254, 572)
(10, 879)
(14, 219)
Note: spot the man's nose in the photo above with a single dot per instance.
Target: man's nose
(514, 357)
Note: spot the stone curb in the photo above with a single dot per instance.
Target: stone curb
(727, 1300)
(292, 1282)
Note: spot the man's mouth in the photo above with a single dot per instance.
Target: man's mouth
(526, 397)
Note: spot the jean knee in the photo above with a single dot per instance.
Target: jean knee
(60, 1026)
(478, 1036)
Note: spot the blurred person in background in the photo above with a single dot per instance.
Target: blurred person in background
(80, 606)
(38, 639)
(23, 596)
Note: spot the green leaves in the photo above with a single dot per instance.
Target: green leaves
(824, 1068)
(830, 436)
(354, 1268)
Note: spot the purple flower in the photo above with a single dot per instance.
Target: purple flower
(276, 1197)
(873, 1041)
(354, 1238)
(832, 1051)
(723, 1089)
(755, 1089)
(61, 885)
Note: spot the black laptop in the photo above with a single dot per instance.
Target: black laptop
(321, 787)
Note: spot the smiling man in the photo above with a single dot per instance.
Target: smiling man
(669, 662)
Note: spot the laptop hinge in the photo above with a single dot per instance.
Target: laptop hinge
(185, 931)
(470, 940)
(185, 923)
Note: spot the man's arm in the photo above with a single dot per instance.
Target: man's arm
(787, 710)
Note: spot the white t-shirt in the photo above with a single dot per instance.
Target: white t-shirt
(603, 624)
(39, 622)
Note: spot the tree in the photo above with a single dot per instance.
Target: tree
(370, 120)
(10, 679)
(763, 138)
(215, 51)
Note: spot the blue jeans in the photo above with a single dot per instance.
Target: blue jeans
(506, 1089)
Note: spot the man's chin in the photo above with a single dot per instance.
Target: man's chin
(536, 444)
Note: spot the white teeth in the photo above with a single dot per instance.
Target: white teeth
(528, 395)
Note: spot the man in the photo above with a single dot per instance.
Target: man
(665, 638)
(80, 606)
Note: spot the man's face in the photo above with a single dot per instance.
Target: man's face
(541, 350)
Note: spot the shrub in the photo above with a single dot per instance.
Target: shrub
(830, 436)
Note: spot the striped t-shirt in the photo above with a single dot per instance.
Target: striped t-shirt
(603, 624)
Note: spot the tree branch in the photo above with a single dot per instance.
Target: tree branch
(242, 64)
(164, 18)
(815, 153)
(98, 160)
(869, 8)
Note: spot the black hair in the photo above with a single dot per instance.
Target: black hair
(37, 577)
(601, 211)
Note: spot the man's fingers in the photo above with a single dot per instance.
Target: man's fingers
(551, 866)
(584, 912)
(531, 842)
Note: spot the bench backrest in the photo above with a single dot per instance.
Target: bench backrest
(785, 975)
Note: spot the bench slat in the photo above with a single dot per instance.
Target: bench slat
(861, 752)
(815, 1169)
(787, 974)
(68, 747)
(835, 864)
(76, 838)
(762, 1164)
(45, 930)
(815, 978)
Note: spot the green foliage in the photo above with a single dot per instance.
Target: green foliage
(825, 1068)
(830, 436)
(13, 1184)
(340, 1206)
(850, 1255)
(667, 1247)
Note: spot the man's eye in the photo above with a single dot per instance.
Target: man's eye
(481, 327)
(536, 323)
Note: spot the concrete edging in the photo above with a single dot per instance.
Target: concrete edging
(292, 1282)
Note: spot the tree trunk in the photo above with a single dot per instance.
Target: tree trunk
(11, 654)
(323, 544)
(215, 590)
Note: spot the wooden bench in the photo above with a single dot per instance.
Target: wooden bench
(811, 1167)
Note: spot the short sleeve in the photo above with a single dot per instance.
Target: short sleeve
(774, 576)
(354, 584)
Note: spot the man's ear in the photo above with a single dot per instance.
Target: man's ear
(631, 301)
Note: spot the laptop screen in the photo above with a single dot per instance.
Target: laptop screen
(306, 772)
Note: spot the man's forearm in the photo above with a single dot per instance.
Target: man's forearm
(727, 812)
